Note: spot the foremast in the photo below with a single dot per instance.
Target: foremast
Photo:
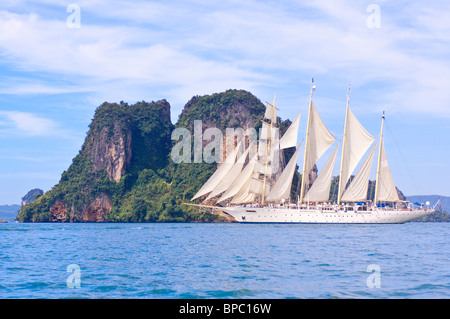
(375, 200)
(385, 190)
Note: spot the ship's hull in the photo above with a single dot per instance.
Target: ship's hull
(312, 215)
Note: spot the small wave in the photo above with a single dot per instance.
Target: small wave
(31, 286)
(431, 290)
(14, 229)
(240, 293)
(324, 265)
(162, 291)
(430, 286)
(106, 288)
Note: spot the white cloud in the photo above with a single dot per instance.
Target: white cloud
(27, 124)
(99, 57)
(179, 49)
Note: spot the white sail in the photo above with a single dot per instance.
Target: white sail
(256, 186)
(282, 187)
(229, 178)
(218, 175)
(240, 181)
(268, 150)
(357, 190)
(265, 132)
(387, 192)
(271, 111)
(244, 196)
(320, 190)
(319, 139)
(356, 142)
(289, 139)
(264, 168)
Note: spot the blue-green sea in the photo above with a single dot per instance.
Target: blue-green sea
(182, 260)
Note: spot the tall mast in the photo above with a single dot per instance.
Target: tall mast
(269, 138)
(302, 191)
(343, 148)
(379, 160)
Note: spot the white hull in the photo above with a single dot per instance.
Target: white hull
(313, 215)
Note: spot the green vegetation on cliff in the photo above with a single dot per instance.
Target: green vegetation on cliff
(125, 145)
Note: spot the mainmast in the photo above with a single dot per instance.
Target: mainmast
(302, 191)
(343, 148)
(379, 161)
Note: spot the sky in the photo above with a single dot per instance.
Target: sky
(59, 60)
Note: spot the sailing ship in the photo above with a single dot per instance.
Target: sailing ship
(252, 189)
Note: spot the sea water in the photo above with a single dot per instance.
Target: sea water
(182, 260)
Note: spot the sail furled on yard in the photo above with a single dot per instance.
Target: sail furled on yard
(282, 187)
(357, 190)
(356, 142)
(320, 190)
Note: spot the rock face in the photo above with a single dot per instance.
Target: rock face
(98, 209)
(58, 211)
(112, 154)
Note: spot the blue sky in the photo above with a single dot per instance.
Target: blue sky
(54, 76)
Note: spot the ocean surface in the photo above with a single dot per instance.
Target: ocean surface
(224, 261)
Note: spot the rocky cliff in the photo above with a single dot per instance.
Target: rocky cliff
(112, 154)
(122, 141)
(124, 173)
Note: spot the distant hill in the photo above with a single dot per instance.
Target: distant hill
(445, 201)
(438, 216)
(9, 212)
